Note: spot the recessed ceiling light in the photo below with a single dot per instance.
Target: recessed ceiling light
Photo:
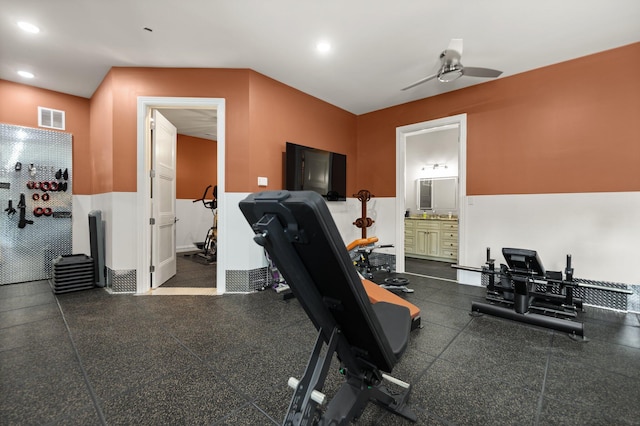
(30, 28)
(25, 74)
(323, 47)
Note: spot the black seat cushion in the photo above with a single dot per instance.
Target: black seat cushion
(396, 325)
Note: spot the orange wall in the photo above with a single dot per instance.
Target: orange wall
(99, 161)
(559, 129)
(196, 166)
(281, 114)
(564, 128)
(19, 106)
(129, 83)
(261, 115)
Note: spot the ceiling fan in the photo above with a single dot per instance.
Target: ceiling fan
(452, 68)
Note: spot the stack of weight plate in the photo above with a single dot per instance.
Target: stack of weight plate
(72, 273)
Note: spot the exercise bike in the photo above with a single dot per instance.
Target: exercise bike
(209, 246)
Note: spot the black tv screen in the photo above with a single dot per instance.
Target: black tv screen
(312, 169)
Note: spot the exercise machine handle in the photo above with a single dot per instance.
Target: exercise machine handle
(213, 204)
(204, 195)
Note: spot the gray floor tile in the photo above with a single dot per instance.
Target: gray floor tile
(467, 397)
(226, 360)
(122, 367)
(86, 416)
(29, 314)
(620, 359)
(561, 412)
(24, 289)
(613, 395)
(619, 334)
(520, 358)
(41, 385)
(17, 302)
(193, 396)
(249, 414)
(36, 334)
(432, 339)
(447, 316)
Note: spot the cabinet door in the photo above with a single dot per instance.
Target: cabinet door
(427, 242)
(409, 244)
(433, 243)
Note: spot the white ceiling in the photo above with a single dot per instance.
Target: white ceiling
(199, 123)
(378, 46)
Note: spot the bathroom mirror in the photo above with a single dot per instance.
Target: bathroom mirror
(438, 194)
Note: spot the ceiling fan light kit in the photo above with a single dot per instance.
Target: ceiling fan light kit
(451, 68)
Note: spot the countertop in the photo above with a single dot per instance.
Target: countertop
(446, 218)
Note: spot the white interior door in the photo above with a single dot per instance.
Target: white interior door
(163, 197)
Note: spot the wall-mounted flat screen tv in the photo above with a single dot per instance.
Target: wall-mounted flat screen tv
(312, 169)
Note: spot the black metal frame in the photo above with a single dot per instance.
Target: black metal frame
(527, 293)
(515, 294)
(298, 232)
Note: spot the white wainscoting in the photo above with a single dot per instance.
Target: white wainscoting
(194, 221)
(600, 230)
(245, 254)
(118, 213)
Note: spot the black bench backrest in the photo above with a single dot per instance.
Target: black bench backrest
(305, 245)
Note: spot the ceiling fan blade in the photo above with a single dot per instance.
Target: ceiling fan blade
(422, 80)
(480, 72)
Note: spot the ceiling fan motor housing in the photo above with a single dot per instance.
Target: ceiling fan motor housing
(451, 67)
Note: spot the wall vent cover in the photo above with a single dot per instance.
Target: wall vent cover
(50, 118)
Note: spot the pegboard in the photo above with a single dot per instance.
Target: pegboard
(35, 166)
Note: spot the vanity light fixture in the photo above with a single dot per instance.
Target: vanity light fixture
(435, 166)
(30, 28)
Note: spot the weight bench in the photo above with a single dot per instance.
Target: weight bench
(298, 232)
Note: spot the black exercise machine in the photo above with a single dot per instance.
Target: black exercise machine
(298, 232)
(208, 247)
(523, 291)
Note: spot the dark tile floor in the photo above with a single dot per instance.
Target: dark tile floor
(431, 268)
(192, 271)
(90, 358)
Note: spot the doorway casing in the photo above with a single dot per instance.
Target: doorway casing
(402, 133)
(144, 106)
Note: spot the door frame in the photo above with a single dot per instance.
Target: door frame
(144, 105)
(402, 133)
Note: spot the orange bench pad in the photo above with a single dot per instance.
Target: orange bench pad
(378, 294)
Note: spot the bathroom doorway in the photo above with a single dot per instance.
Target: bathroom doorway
(404, 135)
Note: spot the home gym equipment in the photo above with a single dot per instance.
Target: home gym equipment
(363, 222)
(209, 246)
(298, 231)
(22, 207)
(96, 242)
(377, 293)
(360, 251)
(363, 247)
(522, 290)
(72, 273)
(10, 210)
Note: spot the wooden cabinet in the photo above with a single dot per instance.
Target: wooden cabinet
(435, 239)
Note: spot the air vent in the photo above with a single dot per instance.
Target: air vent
(50, 118)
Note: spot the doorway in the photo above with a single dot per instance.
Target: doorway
(402, 135)
(145, 106)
